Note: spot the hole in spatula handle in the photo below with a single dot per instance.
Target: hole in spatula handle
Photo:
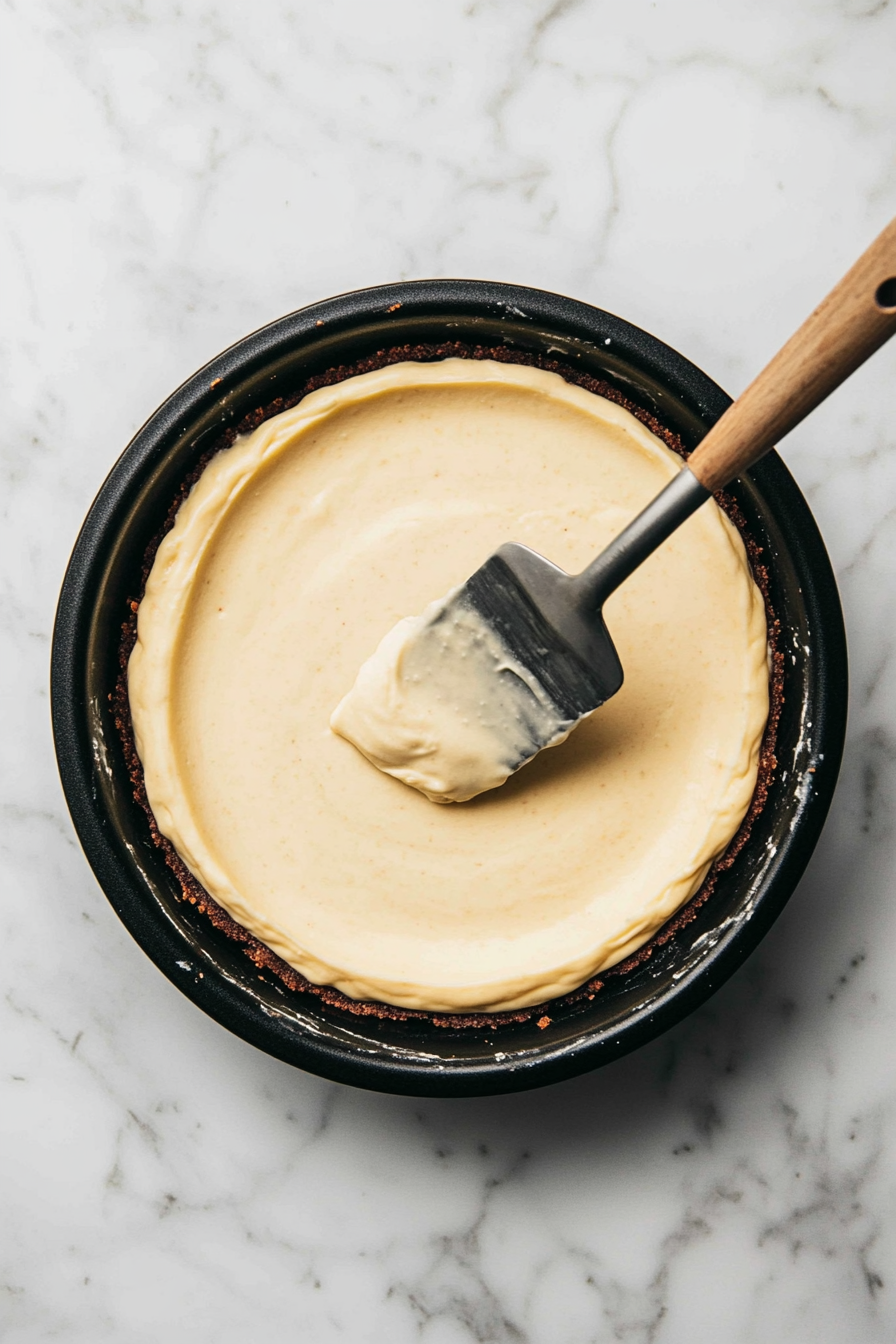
(885, 295)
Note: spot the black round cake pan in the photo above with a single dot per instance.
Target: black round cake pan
(417, 1056)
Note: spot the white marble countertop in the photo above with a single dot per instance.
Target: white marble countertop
(175, 175)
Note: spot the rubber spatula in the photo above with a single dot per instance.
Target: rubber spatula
(552, 622)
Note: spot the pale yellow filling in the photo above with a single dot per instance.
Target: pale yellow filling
(299, 549)
(444, 706)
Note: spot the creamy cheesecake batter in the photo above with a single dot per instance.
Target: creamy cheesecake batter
(444, 706)
(295, 554)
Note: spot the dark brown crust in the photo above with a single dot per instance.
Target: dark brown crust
(261, 955)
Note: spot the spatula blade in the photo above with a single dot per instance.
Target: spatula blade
(531, 606)
(458, 698)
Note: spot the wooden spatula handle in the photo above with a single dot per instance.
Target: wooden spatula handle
(855, 319)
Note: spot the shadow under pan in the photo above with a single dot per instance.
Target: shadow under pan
(416, 1057)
